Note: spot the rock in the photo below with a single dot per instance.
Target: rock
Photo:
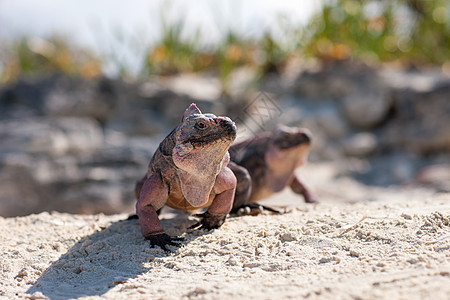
(55, 136)
(331, 122)
(29, 183)
(95, 99)
(79, 145)
(368, 105)
(206, 88)
(83, 185)
(59, 96)
(153, 109)
(421, 122)
(31, 136)
(388, 169)
(83, 135)
(87, 174)
(435, 176)
(415, 80)
(106, 197)
(361, 144)
(324, 120)
(361, 92)
(331, 81)
(23, 99)
(325, 145)
(321, 84)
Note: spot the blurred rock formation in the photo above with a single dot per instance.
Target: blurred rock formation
(74, 145)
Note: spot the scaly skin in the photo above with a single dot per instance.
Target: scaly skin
(189, 170)
(266, 164)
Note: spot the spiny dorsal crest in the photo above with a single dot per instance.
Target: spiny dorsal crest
(191, 110)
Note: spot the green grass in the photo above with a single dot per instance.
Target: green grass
(409, 31)
(32, 57)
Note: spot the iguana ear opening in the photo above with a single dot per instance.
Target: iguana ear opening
(191, 110)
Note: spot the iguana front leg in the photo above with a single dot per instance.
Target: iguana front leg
(241, 204)
(153, 195)
(224, 187)
(243, 186)
(298, 186)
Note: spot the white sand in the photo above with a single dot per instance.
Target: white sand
(400, 250)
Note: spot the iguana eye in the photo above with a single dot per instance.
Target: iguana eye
(201, 125)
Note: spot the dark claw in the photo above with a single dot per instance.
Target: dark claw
(201, 215)
(258, 208)
(195, 226)
(276, 211)
(208, 221)
(199, 223)
(163, 240)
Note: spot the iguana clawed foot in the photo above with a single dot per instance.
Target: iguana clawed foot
(162, 240)
(208, 221)
(254, 209)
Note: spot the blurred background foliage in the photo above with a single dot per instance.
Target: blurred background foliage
(34, 56)
(411, 31)
(408, 32)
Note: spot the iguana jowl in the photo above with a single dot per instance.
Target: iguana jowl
(189, 170)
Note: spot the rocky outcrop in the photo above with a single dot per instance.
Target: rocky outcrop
(422, 120)
(395, 121)
(75, 145)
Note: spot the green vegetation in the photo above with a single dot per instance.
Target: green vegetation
(411, 32)
(32, 56)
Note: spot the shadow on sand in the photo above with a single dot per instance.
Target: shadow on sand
(105, 259)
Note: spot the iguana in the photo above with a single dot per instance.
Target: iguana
(188, 171)
(266, 164)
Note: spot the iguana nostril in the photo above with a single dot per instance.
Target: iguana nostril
(226, 122)
(228, 125)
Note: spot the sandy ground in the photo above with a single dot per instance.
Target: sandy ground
(358, 243)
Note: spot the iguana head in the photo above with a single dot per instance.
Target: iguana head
(287, 150)
(202, 142)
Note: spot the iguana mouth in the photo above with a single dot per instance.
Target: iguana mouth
(208, 140)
